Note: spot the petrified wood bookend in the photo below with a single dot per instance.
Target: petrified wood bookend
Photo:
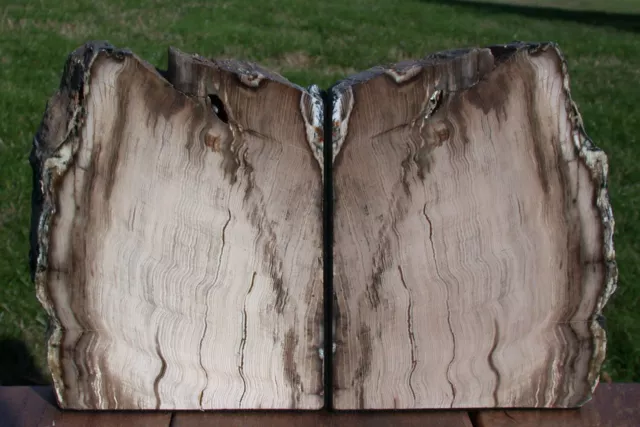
(473, 235)
(177, 235)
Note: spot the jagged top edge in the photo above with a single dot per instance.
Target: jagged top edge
(242, 67)
(405, 69)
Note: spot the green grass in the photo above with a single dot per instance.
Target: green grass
(316, 41)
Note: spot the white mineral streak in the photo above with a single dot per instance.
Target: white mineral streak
(401, 75)
(252, 79)
(314, 122)
(340, 118)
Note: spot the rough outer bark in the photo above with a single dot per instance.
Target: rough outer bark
(473, 235)
(177, 239)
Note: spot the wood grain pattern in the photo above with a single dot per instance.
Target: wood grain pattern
(473, 235)
(177, 240)
(178, 235)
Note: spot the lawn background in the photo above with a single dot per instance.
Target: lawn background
(319, 42)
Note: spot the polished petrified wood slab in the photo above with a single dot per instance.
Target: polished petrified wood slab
(182, 221)
(473, 235)
(178, 235)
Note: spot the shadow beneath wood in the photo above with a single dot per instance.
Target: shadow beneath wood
(620, 21)
(17, 366)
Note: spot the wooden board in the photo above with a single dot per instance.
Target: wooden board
(613, 405)
(473, 245)
(177, 235)
(322, 419)
(36, 407)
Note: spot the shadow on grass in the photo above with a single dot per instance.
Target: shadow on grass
(17, 366)
(619, 21)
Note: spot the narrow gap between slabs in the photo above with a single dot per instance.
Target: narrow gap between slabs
(327, 221)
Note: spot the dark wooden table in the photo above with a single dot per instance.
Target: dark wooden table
(614, 405)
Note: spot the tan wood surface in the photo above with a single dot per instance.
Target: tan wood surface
(180, 235)
(473, 235)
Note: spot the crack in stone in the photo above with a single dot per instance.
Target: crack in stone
(243, 340)
(412, 340)
(206, 309)
(163, 369)
(453, 337)
(492, 362)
